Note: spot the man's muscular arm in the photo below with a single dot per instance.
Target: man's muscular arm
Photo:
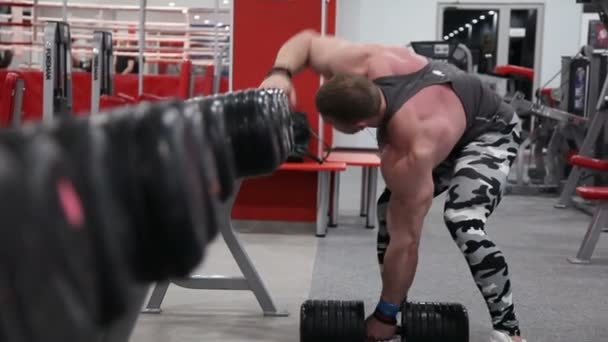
(409, 177)
(327, 55)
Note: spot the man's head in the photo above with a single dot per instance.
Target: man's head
(349, 102)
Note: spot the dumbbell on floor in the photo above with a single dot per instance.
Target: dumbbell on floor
(344, 321)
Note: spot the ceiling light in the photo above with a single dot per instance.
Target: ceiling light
(475, 21)
(207, 21)
(461, 29)
(491, 13)
(451, 34)
(482, 17)
(172, 4)
(227, 28)
(468, 25)
(446, 37)
(185, 11)
(226, 2)
(197, 17)
(220, 24)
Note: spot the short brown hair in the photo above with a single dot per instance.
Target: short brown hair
(348, 98)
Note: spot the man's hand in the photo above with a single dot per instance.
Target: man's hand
(378, 331)
(281, 82)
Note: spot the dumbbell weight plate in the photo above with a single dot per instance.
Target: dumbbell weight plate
(87, 148)
(319, 320)
(210, 184)
(119, 126)
(332, 320)
(340, 322)
(462, 321)
(359, 313)
(213, 113)
(307, 318)
(13, 212)
(54, 270)
(170, 178)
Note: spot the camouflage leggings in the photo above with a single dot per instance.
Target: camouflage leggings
(474, 178)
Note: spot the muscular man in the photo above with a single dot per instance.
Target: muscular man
(439, 129)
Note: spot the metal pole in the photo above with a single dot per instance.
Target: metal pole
(64, 11)
(320, 147)
(142, 38)
(217, 60)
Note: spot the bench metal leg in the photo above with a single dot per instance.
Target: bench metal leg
(322, 203)
(252, 281)
(371, 197)
(591, 237)
(364, 191)
(156, 298)
(335, 203)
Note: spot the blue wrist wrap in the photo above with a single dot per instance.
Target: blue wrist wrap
(388, 309)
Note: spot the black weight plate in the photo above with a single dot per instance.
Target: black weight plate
(340, 322)
(318, 326)
(307, 322)
(357, 330)
(463, 322)
(434, 331)
(249, 134)
(208, 170)
(54, 273)
(266, 133)
(170, 178)
(216, 134)
(359, 313)
(324, 329)
(424, 322)
(119, 125)
(13, 214)
(348, 329)
(406, 318)
(439, 323)
(331, 320)
(262, 101)
(414, 328)
(86, 146)
(452, 324)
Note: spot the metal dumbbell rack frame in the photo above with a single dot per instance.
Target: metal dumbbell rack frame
(102, 70)
(251, 280)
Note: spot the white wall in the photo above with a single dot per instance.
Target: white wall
(402, 21)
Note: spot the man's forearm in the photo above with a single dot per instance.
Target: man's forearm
(295, 52)
(400, 263)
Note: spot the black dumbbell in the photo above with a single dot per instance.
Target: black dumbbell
(342, 321)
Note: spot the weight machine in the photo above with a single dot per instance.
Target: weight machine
(57, 71)
(102, 70)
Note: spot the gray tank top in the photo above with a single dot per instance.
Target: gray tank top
(484, 108)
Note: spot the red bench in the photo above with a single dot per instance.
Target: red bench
(591, 193)
(370, 162)
(325, 171)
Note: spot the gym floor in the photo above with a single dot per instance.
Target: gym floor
(555, 300)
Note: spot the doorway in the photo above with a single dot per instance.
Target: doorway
(496, 34)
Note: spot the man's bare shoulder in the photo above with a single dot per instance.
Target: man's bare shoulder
(395, 60)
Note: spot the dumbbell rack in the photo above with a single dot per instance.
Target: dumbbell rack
(587, 148)
(251, 280)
